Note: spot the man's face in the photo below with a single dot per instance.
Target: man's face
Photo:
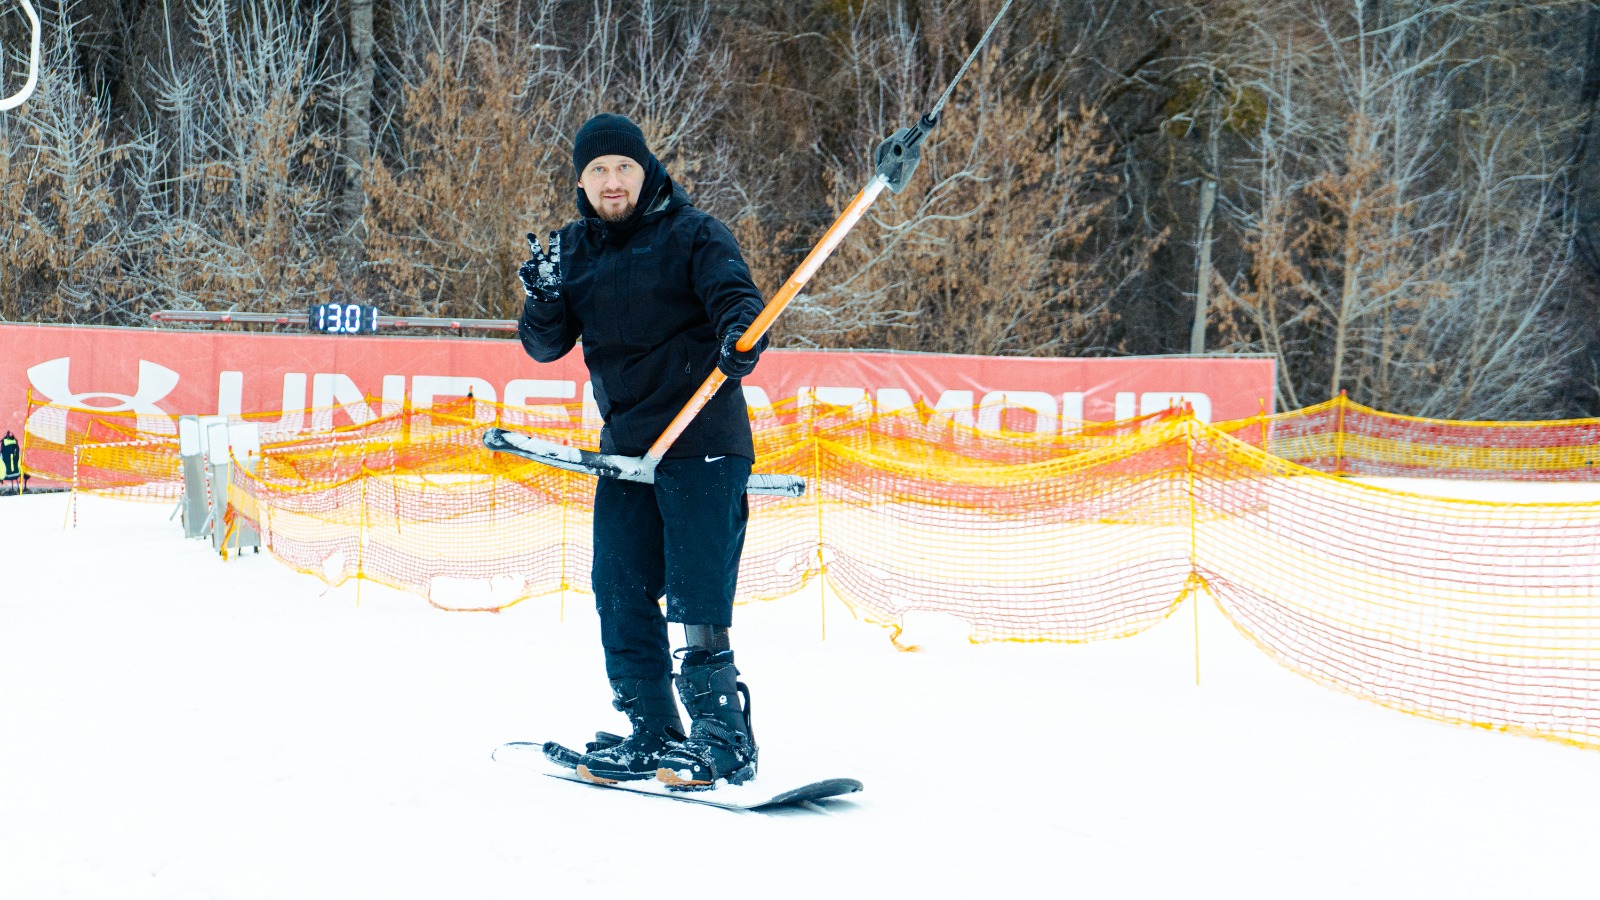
(612, 184)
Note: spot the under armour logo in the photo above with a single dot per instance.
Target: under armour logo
(52, 379)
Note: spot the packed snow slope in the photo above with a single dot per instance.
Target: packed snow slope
(176, 726)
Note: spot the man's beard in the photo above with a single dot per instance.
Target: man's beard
(620, 216)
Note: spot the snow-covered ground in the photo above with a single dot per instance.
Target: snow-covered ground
(177, 726)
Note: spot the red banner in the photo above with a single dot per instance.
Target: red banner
(158, 374)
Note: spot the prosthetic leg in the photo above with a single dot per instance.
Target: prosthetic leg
(721, 743)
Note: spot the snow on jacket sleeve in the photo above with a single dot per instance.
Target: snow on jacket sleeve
(722, 280)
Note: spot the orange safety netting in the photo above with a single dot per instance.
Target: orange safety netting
(1346, 438)
(120, 454)
(1463, 611)
(1457, 610)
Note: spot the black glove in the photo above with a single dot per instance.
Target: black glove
(541, 275)
(736, 363)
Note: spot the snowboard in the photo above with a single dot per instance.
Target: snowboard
(759, 793)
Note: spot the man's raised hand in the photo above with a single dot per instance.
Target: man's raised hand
(541, 274)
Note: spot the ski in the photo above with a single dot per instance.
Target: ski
(761, 793)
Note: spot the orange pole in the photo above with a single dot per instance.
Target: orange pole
(791, 288)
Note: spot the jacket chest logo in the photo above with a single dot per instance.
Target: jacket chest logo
(638, 250)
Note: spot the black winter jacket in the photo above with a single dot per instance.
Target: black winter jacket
(651, 298)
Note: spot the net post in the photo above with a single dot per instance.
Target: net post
(816, 495)
(1189, 584)
(1338, 435)
(72, 498)
(566, 538)
(362, 531)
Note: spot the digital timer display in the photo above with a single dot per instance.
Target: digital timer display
(344, 318)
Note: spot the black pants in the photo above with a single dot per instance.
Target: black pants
(680, 537)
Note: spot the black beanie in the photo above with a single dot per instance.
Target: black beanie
(605, 135)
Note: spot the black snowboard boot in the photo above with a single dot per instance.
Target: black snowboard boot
(650, 706)
(721, 744)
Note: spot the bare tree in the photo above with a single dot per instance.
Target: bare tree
(1378, 259)
(61, 250)
(1375, 247)
(1494, 345)
(1214, 98)
(1272, 293)
(237, 189)
(989, 249)
(357, 116)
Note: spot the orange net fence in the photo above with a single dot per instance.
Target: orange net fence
(1462, 611)
(1345, 438)
(1457, 610)
(120, 454)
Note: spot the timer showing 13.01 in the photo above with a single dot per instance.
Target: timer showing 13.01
(344, 318)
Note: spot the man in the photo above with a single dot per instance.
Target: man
(659, 293)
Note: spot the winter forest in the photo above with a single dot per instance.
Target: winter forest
(1390, 197)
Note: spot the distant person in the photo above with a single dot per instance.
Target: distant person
(11, 455)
